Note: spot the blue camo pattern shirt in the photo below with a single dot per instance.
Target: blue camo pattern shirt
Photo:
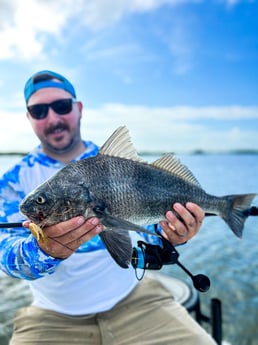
(20, 255)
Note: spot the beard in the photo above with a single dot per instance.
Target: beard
(54, 145)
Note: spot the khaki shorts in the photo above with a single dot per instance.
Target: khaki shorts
(148, 316)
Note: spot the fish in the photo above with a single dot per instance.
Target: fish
(126, 193)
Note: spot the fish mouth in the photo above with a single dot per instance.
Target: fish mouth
(42, 223)
(38, 219)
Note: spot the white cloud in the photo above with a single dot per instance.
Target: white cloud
(173, 129)
(111, 51)
(102, 13)
(118, 111)
(24, 24)
(16, 133)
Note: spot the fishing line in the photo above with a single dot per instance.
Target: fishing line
(252, 211)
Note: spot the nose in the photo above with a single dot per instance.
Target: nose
(52, 116)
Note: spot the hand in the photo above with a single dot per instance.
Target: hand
(179, 231)
(64, 238)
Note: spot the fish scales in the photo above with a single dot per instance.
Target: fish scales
(138, 187)
(125, 193)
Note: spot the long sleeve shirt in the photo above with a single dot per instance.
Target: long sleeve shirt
(89, 281)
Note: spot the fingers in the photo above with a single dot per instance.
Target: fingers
(182, 228)
(64, 238)
(26, 223)
(197, 212)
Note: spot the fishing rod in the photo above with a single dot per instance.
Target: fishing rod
(252, 211)
(11, 225)
(149, 256)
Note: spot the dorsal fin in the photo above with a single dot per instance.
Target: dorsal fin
(119, 145)
(173, 165)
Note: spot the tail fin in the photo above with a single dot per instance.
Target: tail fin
(237, 215)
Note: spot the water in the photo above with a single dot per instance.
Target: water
(230, 263)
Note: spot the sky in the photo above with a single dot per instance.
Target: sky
(181, 75)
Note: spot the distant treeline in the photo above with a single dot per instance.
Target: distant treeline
(13, 153)
(200, 152)
(160, 153)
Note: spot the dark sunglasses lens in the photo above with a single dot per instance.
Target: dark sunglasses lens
(63, 106)
(38, 111)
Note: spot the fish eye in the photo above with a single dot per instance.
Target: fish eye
(41, 199)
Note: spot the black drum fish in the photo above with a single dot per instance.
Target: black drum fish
(126, 193)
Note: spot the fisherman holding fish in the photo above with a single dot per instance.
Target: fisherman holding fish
(81, 293)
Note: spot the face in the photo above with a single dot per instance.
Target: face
(58, 134)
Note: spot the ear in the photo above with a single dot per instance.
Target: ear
(80, 105)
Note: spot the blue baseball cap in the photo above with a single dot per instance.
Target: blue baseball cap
(44, 79)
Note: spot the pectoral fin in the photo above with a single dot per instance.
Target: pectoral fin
(115, 223)
(116, 234)
(119, 246)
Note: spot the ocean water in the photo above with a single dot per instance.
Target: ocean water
(230, 263)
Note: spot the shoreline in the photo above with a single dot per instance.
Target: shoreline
(160, 153)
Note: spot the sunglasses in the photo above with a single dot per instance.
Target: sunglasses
(61, 107)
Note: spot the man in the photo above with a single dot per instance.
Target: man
(80, 295)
